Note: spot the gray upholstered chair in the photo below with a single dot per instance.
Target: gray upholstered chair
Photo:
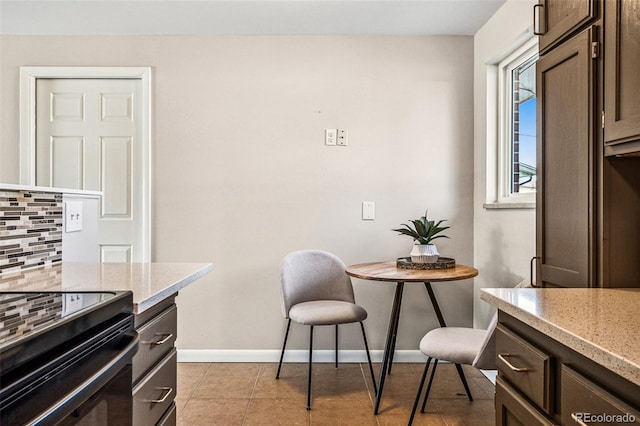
(317, 291)
(457, 345)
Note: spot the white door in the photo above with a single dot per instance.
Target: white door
(88, 136)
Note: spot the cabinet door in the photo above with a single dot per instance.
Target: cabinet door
(565, 205)
(622, 61)
(512, 409)
(559, 18)
(585, 401)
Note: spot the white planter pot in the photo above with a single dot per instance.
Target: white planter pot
(424, 253)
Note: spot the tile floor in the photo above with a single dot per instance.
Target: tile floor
(249, 394)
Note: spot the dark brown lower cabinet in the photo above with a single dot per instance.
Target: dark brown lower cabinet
(512, 409)
(585, 401)
(154, 366)
(543, 382)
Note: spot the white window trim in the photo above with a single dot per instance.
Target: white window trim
(505, 196)
(495, 136)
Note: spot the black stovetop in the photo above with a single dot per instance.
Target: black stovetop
(22, 314)
(32, 323)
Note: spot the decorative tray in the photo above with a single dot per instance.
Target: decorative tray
(441, 263)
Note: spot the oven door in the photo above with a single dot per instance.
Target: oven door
(111, 405)
(85, 382)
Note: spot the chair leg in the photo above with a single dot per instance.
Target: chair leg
(420, 386)
(336, 345)
(366, 348)
(284, 345)
(464, 381)
(310, 362)
(426, 394)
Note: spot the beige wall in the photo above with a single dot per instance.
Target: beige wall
(504, 240)
(241, 175)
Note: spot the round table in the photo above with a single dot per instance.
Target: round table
(389, 272)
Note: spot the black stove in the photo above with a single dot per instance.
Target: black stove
(58, 350)
(23, 315)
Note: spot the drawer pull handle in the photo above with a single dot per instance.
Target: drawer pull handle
(533, 259)
(503, 358)
(165, 339)
(536, 22)
(168, 391)
(577, 420)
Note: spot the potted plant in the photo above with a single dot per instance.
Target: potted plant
(423, 232)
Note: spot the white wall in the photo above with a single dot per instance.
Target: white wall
(241, 175)
(504, 239)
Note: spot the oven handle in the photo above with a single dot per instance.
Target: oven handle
(60, 409)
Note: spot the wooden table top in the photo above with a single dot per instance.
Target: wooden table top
(388, 271)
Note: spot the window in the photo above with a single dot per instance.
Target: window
(517, 125)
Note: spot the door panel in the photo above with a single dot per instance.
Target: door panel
(622, 59)
(66, 161)
(563, 17)
(88, 135)
(565, 153)
(116, 178)
(115, 254)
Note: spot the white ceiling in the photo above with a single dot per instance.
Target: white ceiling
(251, 17)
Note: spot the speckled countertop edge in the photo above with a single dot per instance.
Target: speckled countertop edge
(150, 283)
(149, 302)
(572, 338)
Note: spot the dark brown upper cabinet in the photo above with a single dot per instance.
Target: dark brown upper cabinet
(621, 83)
(556, 20)
(566, 83)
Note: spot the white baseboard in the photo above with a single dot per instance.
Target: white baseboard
(273, 355)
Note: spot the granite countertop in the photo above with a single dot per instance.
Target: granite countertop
(601, 324)
(149, 282)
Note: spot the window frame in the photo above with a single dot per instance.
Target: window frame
(505, 67)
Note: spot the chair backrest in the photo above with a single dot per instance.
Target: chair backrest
(486, 358)
(309, 275)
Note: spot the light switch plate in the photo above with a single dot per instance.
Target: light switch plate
(72, 302)
(73, 216)
(368, 210)
(330, 136)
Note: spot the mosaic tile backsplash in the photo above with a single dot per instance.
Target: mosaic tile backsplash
(30, 229)
(23, 313)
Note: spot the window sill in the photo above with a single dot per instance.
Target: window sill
(510, 206)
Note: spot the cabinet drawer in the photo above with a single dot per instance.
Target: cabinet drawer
(157, 337)
(153, 396)
(169, 418)
(526, 367)
(514, 410)
(584, 401)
